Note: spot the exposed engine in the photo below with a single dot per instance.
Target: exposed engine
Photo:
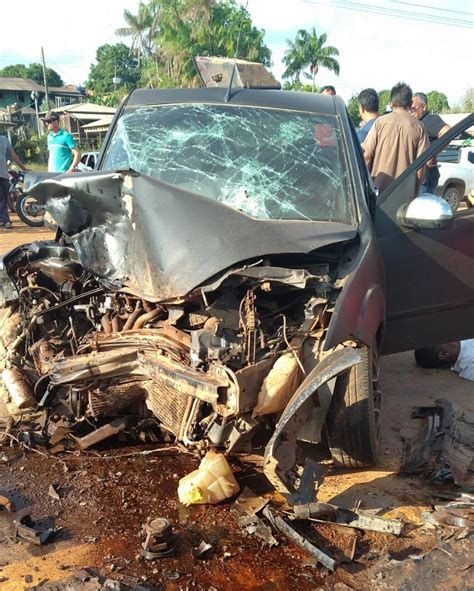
(207, 369)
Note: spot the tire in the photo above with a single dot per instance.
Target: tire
(30, 211)
(353, 421)
(453, 197)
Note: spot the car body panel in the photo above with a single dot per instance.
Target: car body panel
(429, 272)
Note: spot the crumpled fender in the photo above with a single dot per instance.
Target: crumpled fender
(280, 453)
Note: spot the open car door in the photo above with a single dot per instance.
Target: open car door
(429, 271)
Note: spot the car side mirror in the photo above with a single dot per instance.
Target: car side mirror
(426, 211)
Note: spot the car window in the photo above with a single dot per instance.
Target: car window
(470, 157)
(449, 154)
(267, 163)
(84, 159)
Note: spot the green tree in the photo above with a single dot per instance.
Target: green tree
(384, 100)
(309, 51)
(172, 32)
(353, 110)
(437, 102)
(140, 29)
(113, 61)
(299, 86)
(468, 101)
(33, 72)
(14, 71)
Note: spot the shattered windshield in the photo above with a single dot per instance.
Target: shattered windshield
(267, 163)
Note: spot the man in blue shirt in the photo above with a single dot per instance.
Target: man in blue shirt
(368, 100)
(64, 155)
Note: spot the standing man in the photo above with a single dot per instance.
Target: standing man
(64, 155)
(6, 153)
(395, 140)
(435, 127)
(368, 100)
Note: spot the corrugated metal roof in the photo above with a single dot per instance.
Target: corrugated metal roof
(20, 84)
(100, 124)
(84, 109)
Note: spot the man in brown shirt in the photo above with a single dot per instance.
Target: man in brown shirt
(395, 140)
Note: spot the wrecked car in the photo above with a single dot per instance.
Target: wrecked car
(227, 279)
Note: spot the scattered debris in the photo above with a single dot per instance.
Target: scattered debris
(211, 483)
(245, 511)
(53, 493)
(350, 549)
(25, 530)
(302, 542)
(348, 517)
(6, 504)
(444, 447)
(323, 511)
(160, 541)
(203, 551)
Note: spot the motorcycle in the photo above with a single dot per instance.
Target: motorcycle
(26, 207)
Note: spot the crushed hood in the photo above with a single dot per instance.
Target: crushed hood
(160, 242)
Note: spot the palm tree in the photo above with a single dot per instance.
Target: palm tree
(309, 50)
(139, 29)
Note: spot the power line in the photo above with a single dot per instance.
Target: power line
(431, 7)
(384, 11)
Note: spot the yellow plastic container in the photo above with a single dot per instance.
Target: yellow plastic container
(211, 483)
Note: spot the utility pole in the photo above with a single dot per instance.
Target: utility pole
(44, 79)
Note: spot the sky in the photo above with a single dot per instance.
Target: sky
(426, 43)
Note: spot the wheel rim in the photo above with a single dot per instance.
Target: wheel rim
(452, 197)
(32, 210)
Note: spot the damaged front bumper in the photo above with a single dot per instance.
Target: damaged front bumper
(281, 452)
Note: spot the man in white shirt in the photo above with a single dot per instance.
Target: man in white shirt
(458, 355)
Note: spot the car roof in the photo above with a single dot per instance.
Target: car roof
(277, 99)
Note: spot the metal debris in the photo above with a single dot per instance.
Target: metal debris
(26, 530)
(444, 447)
(203, 551)
(160, 542)
(323, 511)
(348, 517)
(302, 542)
(245, 511)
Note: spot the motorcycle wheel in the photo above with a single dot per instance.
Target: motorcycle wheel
(30, 211)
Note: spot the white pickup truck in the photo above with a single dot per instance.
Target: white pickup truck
(456, 181)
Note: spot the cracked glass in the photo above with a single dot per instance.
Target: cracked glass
(266, 163)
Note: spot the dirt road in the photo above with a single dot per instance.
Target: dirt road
(103, 504)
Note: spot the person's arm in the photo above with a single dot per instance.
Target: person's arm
(75, 160)
(423, 144)
(368, 146)
(16, 160)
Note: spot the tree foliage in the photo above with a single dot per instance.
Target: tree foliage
(353, 109)
(384, 100)
(33, 72)
(468, 101)
(437, 102)
(309, 50)
(167, 34)
(113, 61)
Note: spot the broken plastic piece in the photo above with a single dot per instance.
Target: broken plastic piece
(203, 550)
(211, 483)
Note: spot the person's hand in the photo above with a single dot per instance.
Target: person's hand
(432, 162)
